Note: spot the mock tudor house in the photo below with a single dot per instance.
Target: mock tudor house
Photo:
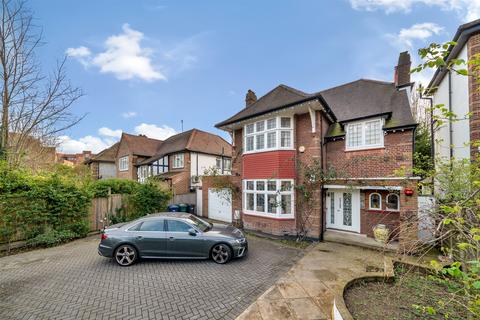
(362, 130)
(460, 95)
(183, 158)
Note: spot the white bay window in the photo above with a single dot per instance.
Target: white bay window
(271, 134)
(271, 198)
(364, 135)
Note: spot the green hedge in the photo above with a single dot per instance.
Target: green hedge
(51, 208)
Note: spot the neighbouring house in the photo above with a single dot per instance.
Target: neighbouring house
(362, 130)
(132, 150)
(458, 94)
(183, 158)
(103, 164)
(73, 159)
(30, 152)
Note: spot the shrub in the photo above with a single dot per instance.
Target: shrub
(148, 198)
(52, 238)
(100, 188)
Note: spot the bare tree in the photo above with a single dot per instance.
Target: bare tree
(34, 105)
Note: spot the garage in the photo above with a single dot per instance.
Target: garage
(220, 204)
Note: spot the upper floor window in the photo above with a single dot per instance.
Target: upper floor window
(364, 134)
(160, 166)
(123, 164)
(227, 164)
(178, 161)
(271, 134)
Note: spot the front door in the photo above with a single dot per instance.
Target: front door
(343, 209)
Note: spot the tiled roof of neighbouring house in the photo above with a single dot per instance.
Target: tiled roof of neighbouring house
(354, 100)
(106, 155)
(193, 140)
(142, 145)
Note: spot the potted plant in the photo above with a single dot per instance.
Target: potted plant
(381, 233)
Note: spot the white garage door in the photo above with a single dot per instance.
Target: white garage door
(220, 204)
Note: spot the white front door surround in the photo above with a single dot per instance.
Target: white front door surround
(343, 209)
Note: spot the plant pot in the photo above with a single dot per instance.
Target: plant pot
(381, 233)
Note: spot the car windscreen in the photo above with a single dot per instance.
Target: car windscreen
(199, 223)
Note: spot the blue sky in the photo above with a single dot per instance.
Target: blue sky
(146, 65)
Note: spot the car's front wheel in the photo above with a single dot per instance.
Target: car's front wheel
(125, 255)
(221, 253)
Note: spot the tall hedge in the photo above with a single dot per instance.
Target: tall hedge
(31, 205)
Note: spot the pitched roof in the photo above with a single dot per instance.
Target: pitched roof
(193, 140)
(106, 155)
(366, 98)
(354, 100)
(141, 145)
(464, 32)
(278, 97)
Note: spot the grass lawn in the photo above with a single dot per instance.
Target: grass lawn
(410, 296)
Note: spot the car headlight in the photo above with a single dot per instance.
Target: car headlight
(239, 241)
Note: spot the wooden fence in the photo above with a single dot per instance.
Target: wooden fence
(102, 207)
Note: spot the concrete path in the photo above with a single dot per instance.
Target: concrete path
(308, 289)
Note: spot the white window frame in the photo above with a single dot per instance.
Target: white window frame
(278, 192)
(180, 158)
(123, 163)
(225, 166)
(364, 145)
(278, 133)
(370, 201)
(398, 202)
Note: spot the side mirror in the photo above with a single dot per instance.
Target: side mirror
(192, 232)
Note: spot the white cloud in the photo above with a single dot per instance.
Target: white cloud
(468, 10)
(153, 131)
(129, 114)
(124, 57)
(78, 52)
(91, 143)
(418, 32)
(107, 132)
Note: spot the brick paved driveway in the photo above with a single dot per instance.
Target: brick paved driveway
(74, 282)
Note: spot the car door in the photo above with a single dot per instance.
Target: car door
(182, 244)
(151, 238)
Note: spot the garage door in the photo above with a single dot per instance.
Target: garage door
(220, 204)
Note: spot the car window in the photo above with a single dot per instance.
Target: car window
(177, 226)
(199, 223)
(135, 227)
(152, 225)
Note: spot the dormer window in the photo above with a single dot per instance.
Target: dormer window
(364, 134)
(271, 134)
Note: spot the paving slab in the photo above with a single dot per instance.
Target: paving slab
(308, 289)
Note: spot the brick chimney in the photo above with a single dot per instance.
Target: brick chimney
(402, 70)
(250, 98)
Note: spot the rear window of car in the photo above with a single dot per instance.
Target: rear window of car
(153, 225)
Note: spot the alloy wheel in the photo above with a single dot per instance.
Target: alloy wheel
(125, 255)
(221, 253)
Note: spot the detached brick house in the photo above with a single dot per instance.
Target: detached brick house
(132, 150)
(363, 131)
(184, 157)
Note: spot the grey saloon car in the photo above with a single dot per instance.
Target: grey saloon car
(172, 236)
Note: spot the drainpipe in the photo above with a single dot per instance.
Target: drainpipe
(321, 187)
(450, 124)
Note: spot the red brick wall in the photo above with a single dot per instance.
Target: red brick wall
(473, 47)
(269, 165)
(370, 218)
(181, 181)
(381, 162)
(268, 225)
(311, 141)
